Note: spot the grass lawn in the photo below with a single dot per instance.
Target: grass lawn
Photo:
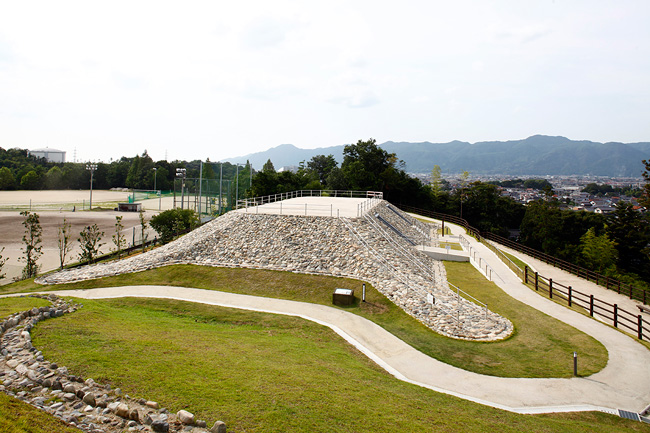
(15, 415)
(19, 417)
(452, 245)
(9, 306)
(516, 261)
(266, 373)
(539, 342)
(541, 332)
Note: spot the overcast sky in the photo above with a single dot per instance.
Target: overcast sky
(196, 80)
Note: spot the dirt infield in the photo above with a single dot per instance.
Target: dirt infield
(12, 229)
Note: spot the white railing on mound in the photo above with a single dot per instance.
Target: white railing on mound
(371, 199)
(477, 261)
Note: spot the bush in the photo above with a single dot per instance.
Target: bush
(173, 222)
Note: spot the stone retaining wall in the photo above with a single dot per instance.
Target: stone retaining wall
(85, 404)
(320, 245)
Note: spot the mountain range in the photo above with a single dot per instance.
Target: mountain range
(537, 155)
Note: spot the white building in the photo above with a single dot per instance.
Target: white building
(51, 155)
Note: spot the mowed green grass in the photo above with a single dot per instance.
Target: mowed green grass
(9, 306)
(17, 416)
(510, 358)
(265, 373)
(538, 342)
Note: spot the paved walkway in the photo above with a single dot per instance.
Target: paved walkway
(619, 385)
(569, 279)
(623, 384)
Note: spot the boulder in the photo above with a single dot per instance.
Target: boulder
(122, 410)
(185, 417)
(218, 427)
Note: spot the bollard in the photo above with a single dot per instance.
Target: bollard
(363, 293)
(575, 363)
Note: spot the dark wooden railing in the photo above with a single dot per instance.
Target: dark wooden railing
(619, 317)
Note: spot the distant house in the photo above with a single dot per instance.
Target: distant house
(291, 168)
(51, 155)
(604, 209)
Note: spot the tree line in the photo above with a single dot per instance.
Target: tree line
(21, 171)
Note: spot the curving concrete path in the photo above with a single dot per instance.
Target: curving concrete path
(623, 384)
(619, 385)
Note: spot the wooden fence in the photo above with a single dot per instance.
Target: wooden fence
(618, 317)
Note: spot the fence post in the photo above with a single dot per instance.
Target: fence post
(630, 292)
(550, 288)
(570, 290)
(615, 315)
(619, 287)
(537, 281)
(525, 274)
(640, 323)
(591, 305)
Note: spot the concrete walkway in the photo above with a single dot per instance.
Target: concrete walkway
(569, 279)
(624, 383)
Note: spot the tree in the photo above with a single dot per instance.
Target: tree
(2, 263)
(630, 231)
(32, 239)
(172, 222)
(268, 167)
(645, 197)
(54, 178)
(598, 252)
(7, 180)
(322, 165)
(89, 241)
(63, 240)
(118, 238)
(436, 179)
(364, 165)
(143, 227)
(30, 180)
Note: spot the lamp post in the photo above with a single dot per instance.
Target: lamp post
(181, 172)
(91, 167)
(155, 173)
(237, 188)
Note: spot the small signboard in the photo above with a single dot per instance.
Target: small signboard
(343, 296)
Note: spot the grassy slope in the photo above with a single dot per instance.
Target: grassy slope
(15, 415)
(486, 358)
(266, 373)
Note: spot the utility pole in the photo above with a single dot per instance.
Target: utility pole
(91, 168)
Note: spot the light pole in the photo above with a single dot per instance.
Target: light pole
(155, 173)
(237, 188)
(91, 168)
(181, 172)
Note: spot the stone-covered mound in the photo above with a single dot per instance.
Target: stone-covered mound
(355, 248)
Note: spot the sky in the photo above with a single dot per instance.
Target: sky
(218, 79)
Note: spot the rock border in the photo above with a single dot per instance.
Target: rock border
(85, 404)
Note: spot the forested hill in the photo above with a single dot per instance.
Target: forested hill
(536, 155)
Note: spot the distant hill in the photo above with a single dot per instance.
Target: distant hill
(536, 155)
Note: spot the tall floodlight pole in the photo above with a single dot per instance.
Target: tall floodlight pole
(237, 188)
(200, 188)
(91, 168)
(181, 173)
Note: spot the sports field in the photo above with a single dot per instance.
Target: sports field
(52, 207)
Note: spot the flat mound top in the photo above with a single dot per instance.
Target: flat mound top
(312, 206)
